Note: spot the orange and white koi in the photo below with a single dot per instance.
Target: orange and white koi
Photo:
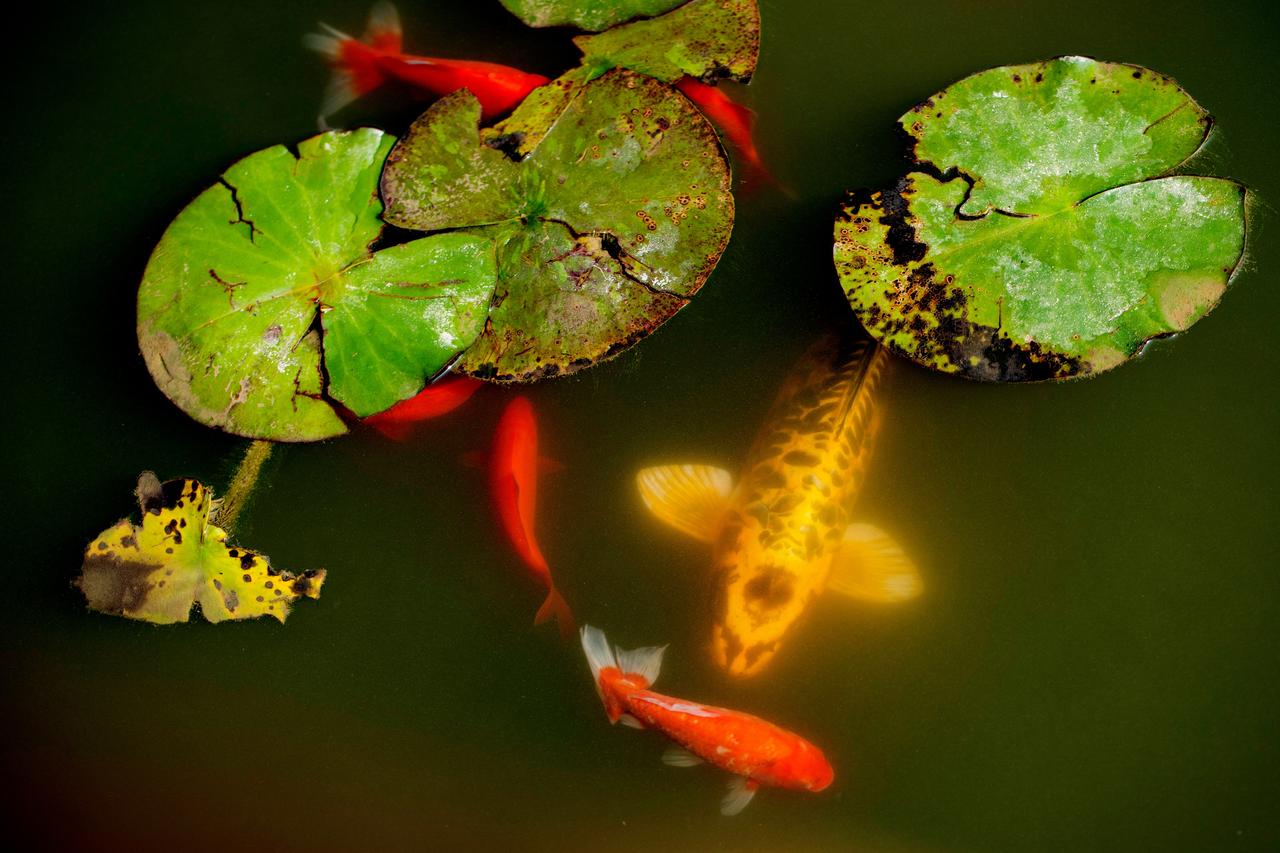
(513, 478)
(783, 533)
(756, 751)
(363, 65)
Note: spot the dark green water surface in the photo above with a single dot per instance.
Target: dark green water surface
(1093, 665)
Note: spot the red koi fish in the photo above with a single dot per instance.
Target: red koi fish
(756, 752)
(438, 398)
(513, 477)
(362, 65)
(733, 119)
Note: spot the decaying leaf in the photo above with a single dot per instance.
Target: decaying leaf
(155, 571)
(592, 15)
(1042, 235)
(709, 40)
(263, 305)
(609, 224)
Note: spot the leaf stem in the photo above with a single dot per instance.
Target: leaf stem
(246, 477)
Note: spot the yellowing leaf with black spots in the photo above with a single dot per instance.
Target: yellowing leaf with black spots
(177, 557)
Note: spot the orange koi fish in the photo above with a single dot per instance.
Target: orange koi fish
(733, 119)
(513, 477)
(362, 65)
(755, 751)
(438, 398)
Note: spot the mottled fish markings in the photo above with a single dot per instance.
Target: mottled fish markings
(176, 557)
(785, 533)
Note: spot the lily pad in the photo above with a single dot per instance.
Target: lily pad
(605, 229)
(709, 40)
(155, 571)
(1043, 236)
(263, 306)
(592, 15)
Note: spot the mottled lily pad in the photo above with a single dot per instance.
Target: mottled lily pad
(263, 305)
(1043, 235)
(592, 15)
(605, 229)
(709, 40)
(155, 571)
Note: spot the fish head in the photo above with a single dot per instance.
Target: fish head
(758, 594)
(806, 767)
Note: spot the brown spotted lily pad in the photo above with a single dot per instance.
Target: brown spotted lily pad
(605, 228)
(1044, 234)
(177, 557)
(593, 15)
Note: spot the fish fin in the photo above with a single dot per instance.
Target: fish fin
(741, 790)
(690, 498)
(600, 656)
(630, 722)
(675, 756)
(641, 664)
(354, 63)
(383, 32)
(556, 606)
(871, 566)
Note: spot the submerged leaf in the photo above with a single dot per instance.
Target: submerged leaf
(593, 15)
(614, 218)
(1042, 237)
(156, 571)
(263, 306)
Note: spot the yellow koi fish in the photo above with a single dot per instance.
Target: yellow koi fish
(783, 534)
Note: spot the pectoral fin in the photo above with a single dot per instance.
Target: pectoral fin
(677, 757)
(872, 567)
(690, 498)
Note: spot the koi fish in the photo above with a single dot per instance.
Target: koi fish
(513, 478)
(755, 751)
(362, 65)
(783, 534)
(438, 398)
(733, 119)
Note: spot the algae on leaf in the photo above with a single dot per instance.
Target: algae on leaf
(1043, 235)
(593, 15)
(605, 228)
(709, 40)
(155, 571)
(263, 306)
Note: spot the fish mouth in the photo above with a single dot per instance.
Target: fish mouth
(737, 659)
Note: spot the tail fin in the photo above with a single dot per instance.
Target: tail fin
(556, 606)
(640, 666)
(354, 62)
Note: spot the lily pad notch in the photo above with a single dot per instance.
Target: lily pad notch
(265, 309)
(606, 225)
(1045, 232)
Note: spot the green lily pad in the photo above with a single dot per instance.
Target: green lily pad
(263, 305)
(1043, 236)
(591, 15)
(605, 229)
(157, 570)
(709, 40)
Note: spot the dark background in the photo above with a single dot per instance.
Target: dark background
(1093, 665)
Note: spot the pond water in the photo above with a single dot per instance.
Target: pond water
(1092, 664)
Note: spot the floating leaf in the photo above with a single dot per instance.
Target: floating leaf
(613, 220)
(176, 558)
(1042, 237)
(592, 15)
(710, 40)
(269, 273)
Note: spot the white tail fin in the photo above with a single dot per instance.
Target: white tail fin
(644, 662)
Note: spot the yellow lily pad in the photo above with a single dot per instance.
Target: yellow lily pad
(177, 557)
